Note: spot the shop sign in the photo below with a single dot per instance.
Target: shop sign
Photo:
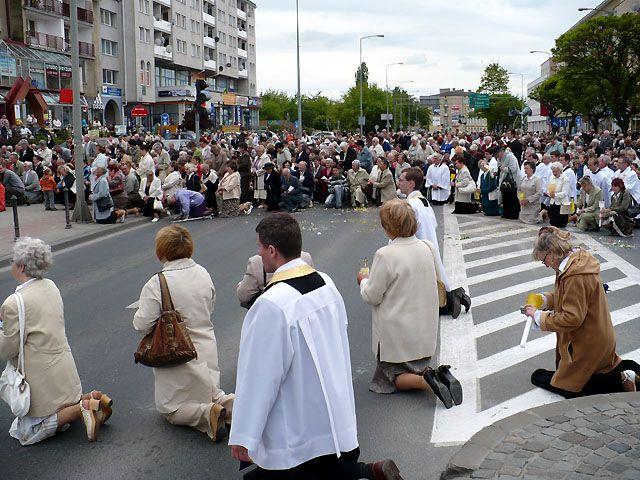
(65, 72)
(253, 102)
(51, 69)
(111, 91)
(175, 92)
(228, 98)
(242, 101)
(231, 128)
(8, 66)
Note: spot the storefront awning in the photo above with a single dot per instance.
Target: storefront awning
(19, 50)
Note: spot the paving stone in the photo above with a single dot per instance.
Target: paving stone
(622, 405)
(586, 468)
(606, 453)
(510, 470)
(603, 407)
(533, 428)
(578, 476)
(518, 440)
(616, 467)
(598, 427)
(561, 444)
(507, 477)
(593, 443)
(619, 447)
(483, 473)
(537, 472)
(595, 417)
(587, 432)
(552, 454)
(587, 410)
(566, 427)
(489, 464)
(515, 462)
(573, 414)
(563, 466)
(572, 437)
(534, 446)
(540, 462)
(613, 422)
(632, 475)
(631, 419)
(556, 474)
(596, 460)
(580, 422)
(580, 451)
(557, 418)
(523, 454)
(505, 447)
(496, 455)
(544, 423)
(552, 431)
(524, 434)
(626, 429)
(635, 403)
(616, 412)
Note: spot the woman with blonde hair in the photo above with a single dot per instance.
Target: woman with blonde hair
(187, 394)
(578, 312)
(405, 325)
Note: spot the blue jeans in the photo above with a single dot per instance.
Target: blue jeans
(336, 197)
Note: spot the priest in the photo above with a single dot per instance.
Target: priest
(439, 180)
(294, 412)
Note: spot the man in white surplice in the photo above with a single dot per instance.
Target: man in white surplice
(439, 180)
(294, 410)
(410, 182)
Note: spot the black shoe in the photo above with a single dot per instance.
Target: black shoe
(47, 208)
(465, 300)
(454, 301)
(451, 382)
(53, 209)
(439, 389)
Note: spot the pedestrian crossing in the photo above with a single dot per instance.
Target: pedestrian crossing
(491, 259)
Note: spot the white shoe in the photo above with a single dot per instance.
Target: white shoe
(89, 418)
(629, 381)
(122, 217)
(248, 212)
(155, 219)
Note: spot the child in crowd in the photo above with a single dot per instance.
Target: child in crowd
(48, 185)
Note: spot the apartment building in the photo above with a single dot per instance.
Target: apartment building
(133, 52)
(450, 110)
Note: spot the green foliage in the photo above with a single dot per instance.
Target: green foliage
(495, 80)
(602, 58)
(277, 105)
(365, 74)
(497, 114)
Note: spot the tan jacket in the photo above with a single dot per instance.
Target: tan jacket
(386, 186)
(463, 179)
(402, 289)
(194, 296)
(49, 366)
(357, 179)
(254, 279)
(579, 314)
(230, 184)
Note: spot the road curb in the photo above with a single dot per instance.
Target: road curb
(472, 455)
(5, 261)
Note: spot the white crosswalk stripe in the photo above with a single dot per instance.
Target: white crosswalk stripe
(492, 329)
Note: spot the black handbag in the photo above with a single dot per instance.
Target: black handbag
(508, 184)
(104, 203)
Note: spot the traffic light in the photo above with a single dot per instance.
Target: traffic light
(201, 97)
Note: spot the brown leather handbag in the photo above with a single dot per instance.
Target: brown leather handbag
(169, 343)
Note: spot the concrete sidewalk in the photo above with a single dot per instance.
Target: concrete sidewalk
(49, 226)
(583, 438)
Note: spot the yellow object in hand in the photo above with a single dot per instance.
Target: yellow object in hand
(536, 300)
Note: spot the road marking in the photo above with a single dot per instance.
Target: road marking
(496, 236)
(457, 344)
(495, 246)
(473, 222)
(505, 272)
(134, 304)
(516, 354)
(499, 323)
(485, 227)
(498, 258)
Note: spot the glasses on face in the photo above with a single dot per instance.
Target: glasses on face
(544, 260)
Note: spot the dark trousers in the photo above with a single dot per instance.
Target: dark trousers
(599, 383)
(20, 196)
(327, 467)
(555, 219)
(291, 202)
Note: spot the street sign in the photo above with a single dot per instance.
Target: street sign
(559, 122)
(478, 100)
(578, 121)
(139, 111)
(376, 127)
(361, 120)
(386, 116)
(164, 119)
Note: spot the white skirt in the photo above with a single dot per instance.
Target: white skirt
(30, 430)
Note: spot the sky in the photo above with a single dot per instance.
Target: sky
(443, 44)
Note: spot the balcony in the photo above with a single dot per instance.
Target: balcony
(243, 73)
(209, 42)
(85, 11)
(162, 25)
(208, 19)
(166, 3)
(241, 14)
(242, 34)
(210, 65)
(44, 40)
(49, 6)
(85, 49)
(242, 52)
(162, 52)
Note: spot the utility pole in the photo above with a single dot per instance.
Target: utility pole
(81, 213)
(298, 58)
(361, 75)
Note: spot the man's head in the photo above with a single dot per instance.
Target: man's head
(259, 150)
(410, 179)
(302, 166)
(383, 164)
(279, 240)
(335, 171)
(286, 173)
(355, 165)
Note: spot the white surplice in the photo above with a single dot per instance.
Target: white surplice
(440, 176)
(631, 182)
(294, 391)
(427, 225)
(603, 181)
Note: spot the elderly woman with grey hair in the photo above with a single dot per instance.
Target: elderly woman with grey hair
(56, 398)
(31, 183)
(559, 191)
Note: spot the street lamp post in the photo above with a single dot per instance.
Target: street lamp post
(542, 51)
(299, 129)
(596, 9)
(361, 118)
(521, 82)
(386, 80)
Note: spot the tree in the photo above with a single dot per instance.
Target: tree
(495, 80)
(277, 105)
(605, 51)
(365, 73)
(497, 114)
(547, 93)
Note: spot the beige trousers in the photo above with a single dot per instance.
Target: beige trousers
(197, 415)
(358, 196)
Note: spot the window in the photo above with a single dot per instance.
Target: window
(182, 78)
(144, 35)
(195, 50)
(141, 72)
(232, 20)
(233, 42)
(181, 45)
(109, 76)
(143, 6)
(181, 21)
(109, 47)
(148, 74)
(107, 17)
(195, 26)
(221, 16)
(223, 38)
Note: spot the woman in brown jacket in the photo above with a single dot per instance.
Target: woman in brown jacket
(577, 310)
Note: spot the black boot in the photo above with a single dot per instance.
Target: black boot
(439, 389)
(464, 298)
(453, 301)
(451, 382)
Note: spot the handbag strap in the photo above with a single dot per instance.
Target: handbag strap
(167, 302)
(21, 322)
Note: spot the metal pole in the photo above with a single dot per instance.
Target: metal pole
(66, 208)
(361, 82)
(16, 222)
(298, 59)
(196, 119)
(386, 82)
(81, 211)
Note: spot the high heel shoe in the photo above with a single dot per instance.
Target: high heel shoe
(465, 300)
(89, 417)
(438, 388)
(451, 382)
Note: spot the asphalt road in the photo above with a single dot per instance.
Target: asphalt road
(491, 257)
(100, 279)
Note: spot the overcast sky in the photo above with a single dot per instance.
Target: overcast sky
(443, 44)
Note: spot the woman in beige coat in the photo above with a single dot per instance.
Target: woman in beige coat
(405, 325)
(578, 312)
(49, 367)
(464, 203)
(228, 194)
(187, 394)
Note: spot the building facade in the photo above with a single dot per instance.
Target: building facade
(450, 111)
(134, 52)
